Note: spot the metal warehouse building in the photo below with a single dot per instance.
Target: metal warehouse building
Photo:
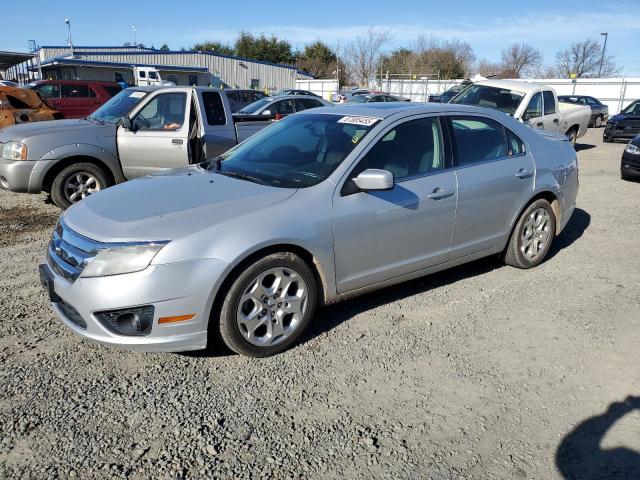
(182, 67)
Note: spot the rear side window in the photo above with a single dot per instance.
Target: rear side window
(478, 140)
(284, 107)
(112, 90)
(549, 102)
(305, 103)
(75, 91)
(514, 144)
(214, 108)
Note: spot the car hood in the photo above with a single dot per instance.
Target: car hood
(168, 206)
(55, 127)
(621, 117)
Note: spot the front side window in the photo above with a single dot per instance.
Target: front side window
(411, 149)
(142, 74)
(299, 151)
(478, 139)
(153, 75)
(549, 102)
(163, 112)
(214, 108)
(51, 90)
(534, 109)
(306, 103)
(284, 107)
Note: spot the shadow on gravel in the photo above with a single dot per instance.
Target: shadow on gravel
(583, 146)
(329, 317)
(579, 455)
(580, 221)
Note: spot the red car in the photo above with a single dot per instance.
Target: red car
(76, 98)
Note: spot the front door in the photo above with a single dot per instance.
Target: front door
(495, 177)
(159, 139)
(380, 235)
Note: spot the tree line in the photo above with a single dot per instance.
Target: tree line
(367, 57)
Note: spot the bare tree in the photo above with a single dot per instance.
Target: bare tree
(545, 71)
(520, 59)
(448, 58)
(583, 59)
(363, 56)
(487, 68)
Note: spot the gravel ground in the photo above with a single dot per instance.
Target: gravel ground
(483, 371)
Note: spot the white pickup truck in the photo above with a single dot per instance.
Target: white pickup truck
(531, 103)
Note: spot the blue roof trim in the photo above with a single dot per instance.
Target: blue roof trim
(147, 50)
(95, 46)
(77, 61)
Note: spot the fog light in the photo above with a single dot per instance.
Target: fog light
(128, 321)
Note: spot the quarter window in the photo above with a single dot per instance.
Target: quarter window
(514, 144)
(478, 140)
(411, 149)
(549, 102)
(534, 109)
(51, 90)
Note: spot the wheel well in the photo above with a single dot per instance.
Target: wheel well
(573, 127)
(62, 164)
(555, 206)
(307, 256)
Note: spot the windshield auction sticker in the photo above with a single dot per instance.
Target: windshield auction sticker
(357, 120)
(136, 94)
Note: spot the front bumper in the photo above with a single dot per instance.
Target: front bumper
(630, 165)
(620, 131)
(15, 174)
(174, 289)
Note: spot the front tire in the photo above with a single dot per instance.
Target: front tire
(76, 182)
(532, 236)
(268, 306)
(598, 122)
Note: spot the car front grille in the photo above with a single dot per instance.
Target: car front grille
(68, 252)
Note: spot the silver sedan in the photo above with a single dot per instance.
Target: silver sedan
(321, 206)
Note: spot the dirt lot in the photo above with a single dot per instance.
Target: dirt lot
(482, 372)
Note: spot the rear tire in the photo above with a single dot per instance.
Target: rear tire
(573, 136)
(532, 236)
(268, 306)
(76, 182)
(598, 122)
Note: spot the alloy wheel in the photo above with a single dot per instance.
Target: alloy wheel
(536, 233)
(79, 185)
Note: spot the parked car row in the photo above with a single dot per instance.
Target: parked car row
(280, 106)
(320, 206)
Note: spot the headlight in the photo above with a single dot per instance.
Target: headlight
(632, 149)
(14, 151)
(122, 259)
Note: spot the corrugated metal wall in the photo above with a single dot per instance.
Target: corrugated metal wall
(237, 73)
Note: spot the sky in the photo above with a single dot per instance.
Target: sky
(488, 25)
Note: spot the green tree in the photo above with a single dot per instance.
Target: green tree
(264, 48)
(165, 47)
(214, 46)
(318, 59)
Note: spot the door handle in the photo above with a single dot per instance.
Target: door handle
(556, 121)
(440, 193)
(540, 124)
(177, 141)
(522, 173)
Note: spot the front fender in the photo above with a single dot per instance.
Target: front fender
(58, 154)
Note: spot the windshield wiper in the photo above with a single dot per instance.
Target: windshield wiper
(242, 176)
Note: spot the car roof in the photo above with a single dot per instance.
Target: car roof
(388, 109)
(74, 82)
(517, 85)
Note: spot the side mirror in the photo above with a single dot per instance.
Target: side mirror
(126, 123)
(266, 112)
(374, 179)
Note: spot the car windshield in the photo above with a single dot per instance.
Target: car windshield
(501, 99)
(299, 151)
(633, 109)
(255, 106)
(117, 107)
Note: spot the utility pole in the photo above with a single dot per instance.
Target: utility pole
(604, 47)
(68, 22)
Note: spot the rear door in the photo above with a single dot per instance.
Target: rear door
(159, 138)
(495, 176)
